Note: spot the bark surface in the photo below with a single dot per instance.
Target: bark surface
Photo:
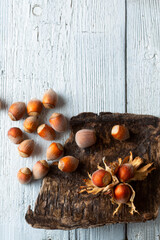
(59, 204)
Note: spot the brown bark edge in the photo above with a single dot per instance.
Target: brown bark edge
(59, 204)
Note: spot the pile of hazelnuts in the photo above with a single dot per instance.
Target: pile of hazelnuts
(114, 179)
(55, 151)
(101, 177)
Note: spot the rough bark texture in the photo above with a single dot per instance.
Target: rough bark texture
(60, 206)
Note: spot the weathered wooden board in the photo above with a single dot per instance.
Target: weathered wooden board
(143, 79)
(61, 206)
(76, 47)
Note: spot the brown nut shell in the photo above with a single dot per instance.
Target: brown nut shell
(125, 172)
(16, 111)
(30, 124)
(58, 122)
(40, 169)
(120, 132)
(101, 178)
(24, 175)
(46, 132)
(34, 107)
(54, 151)
(122, 193)
(68, 164)
(85, 138)
(15, 135)
(50, 99)
(25, 148)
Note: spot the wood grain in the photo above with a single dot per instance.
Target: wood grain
(76, 47)
(143, 74)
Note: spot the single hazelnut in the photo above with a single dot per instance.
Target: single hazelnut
(46, 132)
(16, 111)
(26, 148)
(58, 122)
(122, 193)
(68, 164)
(30, 124)
(101, 178)
(125, 172)
(120, 132)
(40, 169)
(50, 99)
(15, 135)
(24, 175)
(85, 138)
(34, 107)
(54, 151)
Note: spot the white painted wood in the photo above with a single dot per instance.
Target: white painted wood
(143, 79)
(76, 47)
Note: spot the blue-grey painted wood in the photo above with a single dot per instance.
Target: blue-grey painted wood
(76, 47)
(143, 80)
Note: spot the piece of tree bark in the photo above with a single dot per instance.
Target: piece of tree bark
(59, 204)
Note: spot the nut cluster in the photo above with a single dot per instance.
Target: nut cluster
(55, 151)
(114, 180)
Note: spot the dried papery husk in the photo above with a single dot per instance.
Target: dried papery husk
(113, 167)
(91, 188)
(139, 173)
(130, 203)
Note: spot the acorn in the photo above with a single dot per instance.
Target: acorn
(85, 138)
(68, 164)
(16, 111)
(15, 135)
(46, 132)
(50, 99)
(122, 193)
(101, 178)
(120, 132)
(24, 175)
(40, 169)
(54, 151)
(25, 148)
(34, 107)
(125, 172)
(58, 122)
(30, 124)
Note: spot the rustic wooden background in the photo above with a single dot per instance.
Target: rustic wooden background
(99, 55)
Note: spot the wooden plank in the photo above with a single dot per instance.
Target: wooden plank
(143, 84)
(76, 47)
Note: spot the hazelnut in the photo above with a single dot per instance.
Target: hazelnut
(125, 172)
(26, 148)
(40, 169)
(120, 132)
(15, 135)
(16, 111)
(68, 164)
(50, 99)
(58, 122)
(54, 151)
(24, 175)
(85, 138)
(34, 107)
(46, 132)
(101, 178)
(30, 124)
(122, 193)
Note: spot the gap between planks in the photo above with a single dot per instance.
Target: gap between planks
(125, 62)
